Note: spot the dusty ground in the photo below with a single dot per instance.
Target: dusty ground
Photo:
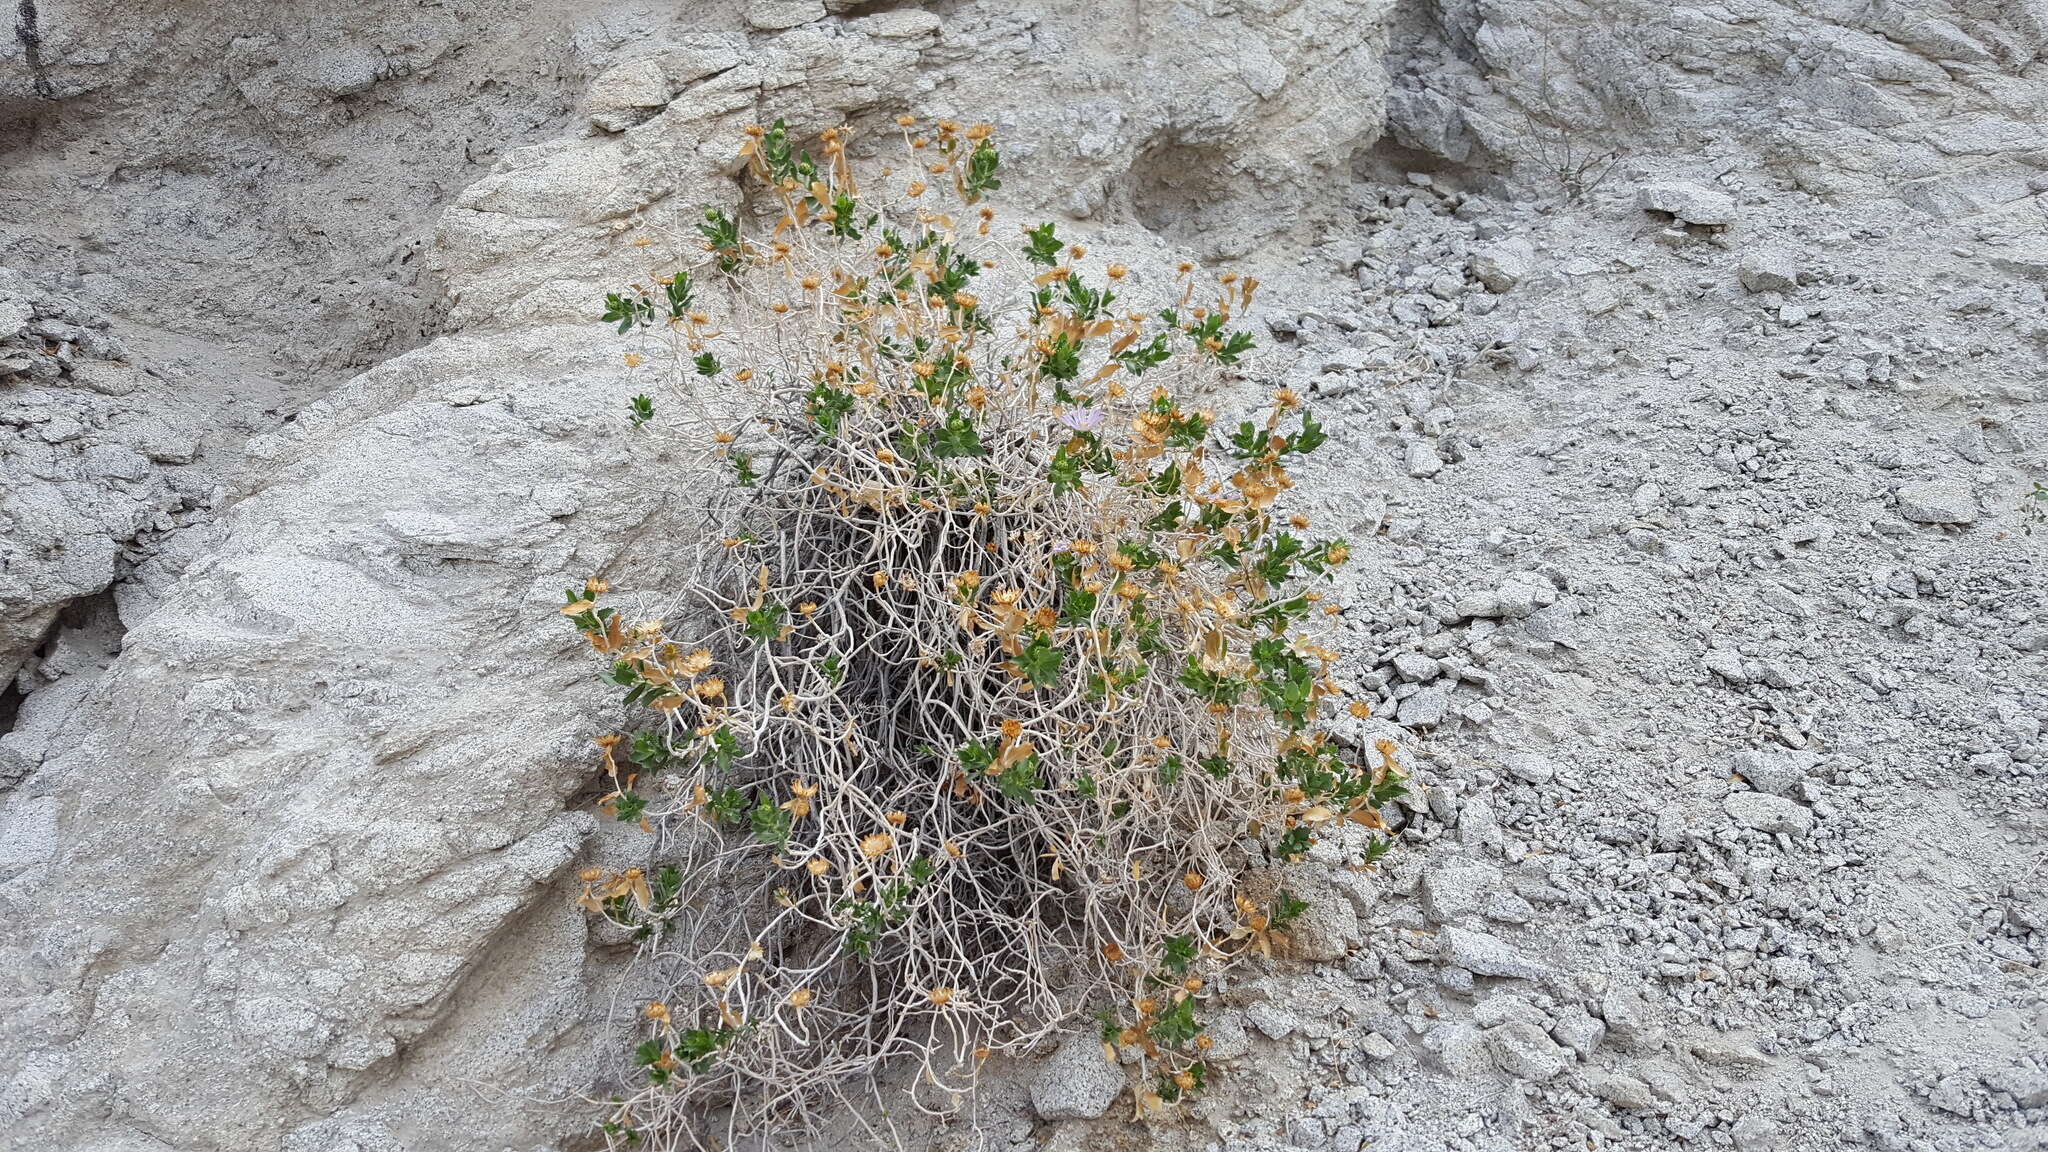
(1720, 610)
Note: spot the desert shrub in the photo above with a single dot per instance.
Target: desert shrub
(993, 678)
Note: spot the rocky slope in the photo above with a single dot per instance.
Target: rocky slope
(1689, 365)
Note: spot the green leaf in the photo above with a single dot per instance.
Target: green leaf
(827, 407)
(649, 749)
(765, 623)
(1294, 843)
(1063, 362)
(957, 438)
(627, 311)
(1311, 436)
(1019, 782)
(1177, 1027)
(1111, 1026)
(1145, 357)
(668, 884)
(1042, 246)
(680, 293)
(976, 757)
(722, 236)
(1215, 687)
(1040, 661)
(697, 1046)
(771, 823)
(781, 163)
(725, 748)
(845, 216)
(1087, 303)
(982, 165)
(1078, 606)
(1064, 472)
(728, 805)
(640, 409)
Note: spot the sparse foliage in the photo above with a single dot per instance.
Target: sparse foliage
(1565, 157)
(995, 676)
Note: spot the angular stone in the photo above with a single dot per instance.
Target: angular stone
(15, 315)
(1423, 461)
(1508, 908)
(1952, 1094)
(1525, 1050)
(1460, 1048)
(1768, 270)
(1451, 893)
(776, 15)
(1522, 595)
(1502, 266)
(1755, 1133)
(626, 95)
(1692, 203)
(1578, 1031)
(1622, 1091)
(1769, 813)
(1485, 955)
(1426, 708)
(900, 24)
(1727, 1052)
(2028, 1087)
(1774, 773)
(1631, 1020)
(1416, 666)
(1478, 604)
(1530, 768)
(1077, 1083)
(1938, 502)
(1793, 972)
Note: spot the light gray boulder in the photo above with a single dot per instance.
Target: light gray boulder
(1938, 502)
(1692, 203)
(1077, 1082)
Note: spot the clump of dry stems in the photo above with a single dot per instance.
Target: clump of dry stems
(991, 684)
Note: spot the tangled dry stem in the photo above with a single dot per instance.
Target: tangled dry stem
(931, 769)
